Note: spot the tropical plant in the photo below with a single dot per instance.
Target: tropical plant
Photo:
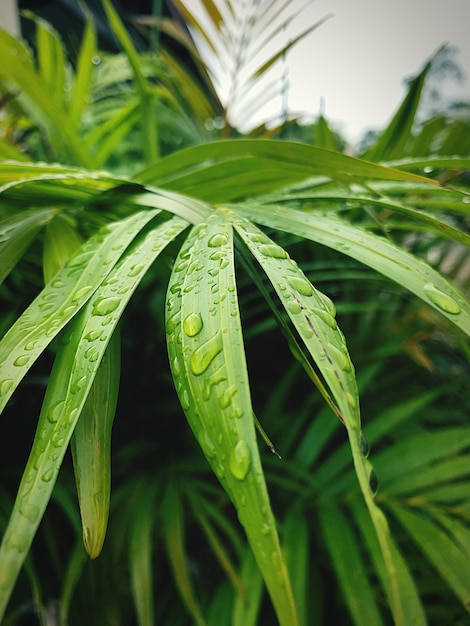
(206, 237)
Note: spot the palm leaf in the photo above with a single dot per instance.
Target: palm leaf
(207, 360)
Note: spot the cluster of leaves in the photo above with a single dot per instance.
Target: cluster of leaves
(206, 237)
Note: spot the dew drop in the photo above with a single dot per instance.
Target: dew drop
(373, 482)
(47, 476)
(30, 511)
(5, 386)
(205, 354)
(176, 367)
(105, 306)
(179, 267)
(92, 354)
(240, 460)
(217, 240)
(302, 285)
(445, 302)
(209, 447)
(364, 446)
(184, 399)
(265, 529)
(21, 360)
(172, 323)
(55, 411)
(327, 318)
(93, 335)
(78, 384)
(226, 398)
(294, 307)
(274, 251)
(351, 400)
(81, 293)
(340, 358)
(30, 345)
(192, 324)
(136, 269)
(216, 256)
(329, 304)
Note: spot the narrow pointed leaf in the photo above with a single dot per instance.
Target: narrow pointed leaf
(441, 548)
(61, 299)
(17, 231)
(391, 142)
(75, 367)
(378, 253)
(401, 584)
(208, 361)
(350, 568)
(91, 449)
(173, 532)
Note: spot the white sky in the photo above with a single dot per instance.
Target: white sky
(356, 61)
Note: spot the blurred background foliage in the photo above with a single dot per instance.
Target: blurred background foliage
(412, 367)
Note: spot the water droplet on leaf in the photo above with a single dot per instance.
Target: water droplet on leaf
(217, 240)
(240, 460)
(205, 354)
(274, 251)
(192, 324)
(302, 285)
(364, 445)
(445, 302)
(104, 306)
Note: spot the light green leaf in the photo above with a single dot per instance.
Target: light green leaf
(91, 448)
(313, 315)
(17, 231)
(75, 367)
(18, 69)
(376, 252)
(83, 76)
(61, 299)
(208, 361)
(392, 141)
(195, 170)
(61, 241)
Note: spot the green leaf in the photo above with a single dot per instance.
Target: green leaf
(140, 556)
(441, 547)
(192, 170)
(82, 348)
(392, 141)
(376, 252)
(401, 584)
(61, 299)
(17, 68)
(208, 361)
(296, 545)
(173, 532)
(246, 608)
(350, 567)
(83, 76)
(91, 448)
(61, 241)
(312, 314)
(149, 123)
(417, 453)
(17, 231)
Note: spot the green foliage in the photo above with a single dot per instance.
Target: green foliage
(203, 256)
